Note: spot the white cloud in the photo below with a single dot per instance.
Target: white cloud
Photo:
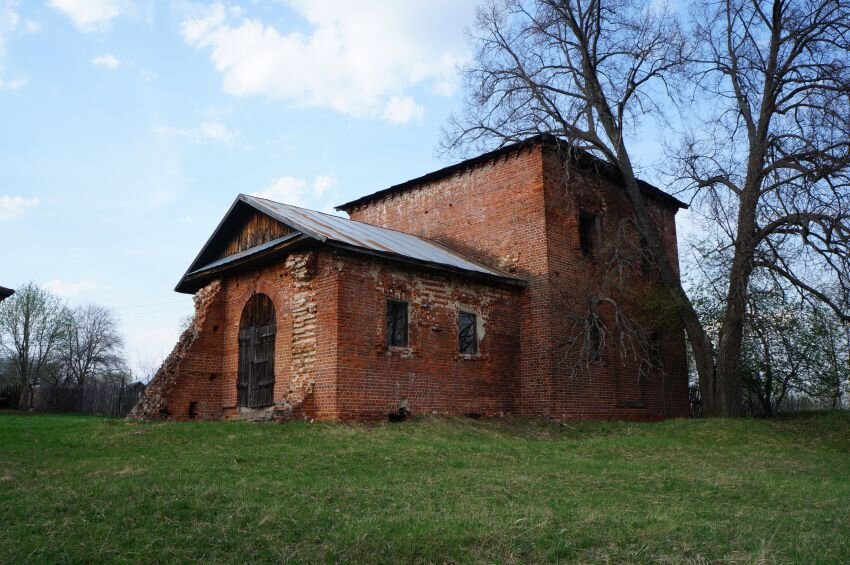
(358, 58)
(15, 206)
(402, 109)
(295, 191)
(89, 15)
(14, 84)
(148, 76)
(211, 130)
(108, 61)
(63, 288)
(11, 23)
(322, 183)
(288, 190)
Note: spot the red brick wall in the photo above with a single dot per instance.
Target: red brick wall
(192, 373)
(331, 361)
(305, 343)
(496, 214)
(520, 212)
(430, 374)
(613, 387)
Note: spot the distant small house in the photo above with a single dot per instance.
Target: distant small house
(5, 293)
(451, 294)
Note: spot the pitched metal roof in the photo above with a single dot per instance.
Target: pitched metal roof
(336, 232)
(333, 229)
(5, 292)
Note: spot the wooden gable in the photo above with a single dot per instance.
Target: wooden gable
(255, 229)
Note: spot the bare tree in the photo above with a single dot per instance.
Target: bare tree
(619, 306)
(93, 345)
(148, 364)
(32, 324)
(584, 71)
(771, 157)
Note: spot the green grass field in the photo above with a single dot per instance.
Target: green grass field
(83, 489)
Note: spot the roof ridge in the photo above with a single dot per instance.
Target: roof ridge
(506, 149)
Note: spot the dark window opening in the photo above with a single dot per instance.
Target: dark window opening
(588, 233)
(595, 340)
(396, 323)
(466, 333)
(193, 410)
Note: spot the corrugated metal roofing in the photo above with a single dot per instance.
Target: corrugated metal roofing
(326, 227)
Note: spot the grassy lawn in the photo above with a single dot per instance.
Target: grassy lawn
(84, 489)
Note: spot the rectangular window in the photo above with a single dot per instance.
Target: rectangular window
(396, 323)
(588, 233)
(466, 333)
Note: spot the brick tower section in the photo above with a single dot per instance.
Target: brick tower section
(520, 212)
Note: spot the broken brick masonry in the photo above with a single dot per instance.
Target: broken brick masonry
(518, 210)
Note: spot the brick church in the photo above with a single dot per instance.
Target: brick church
(460, 292)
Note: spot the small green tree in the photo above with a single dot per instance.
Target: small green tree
(32, 325)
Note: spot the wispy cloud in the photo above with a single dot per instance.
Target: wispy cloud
(208, 131)
(89, 15)
(296, 191)
(288, 190)
(14, 206)
(14, 84)
(107, 61)
(359, 58)
(323, 183)
(12, 23)
(67, 288)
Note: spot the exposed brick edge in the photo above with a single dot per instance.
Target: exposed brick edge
(304, 335)
(153, 405)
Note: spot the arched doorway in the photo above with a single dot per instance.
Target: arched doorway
(257, 328)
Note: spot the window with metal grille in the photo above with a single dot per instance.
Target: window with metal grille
(588, 233)
(466, 333)
(397, 323)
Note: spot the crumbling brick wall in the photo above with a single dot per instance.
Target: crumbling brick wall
(185, 385)
(305, 330)
(302, 288)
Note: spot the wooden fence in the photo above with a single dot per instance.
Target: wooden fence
(10, 397)
(107, 399)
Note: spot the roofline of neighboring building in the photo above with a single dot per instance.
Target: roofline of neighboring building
(5, 292)
(541, 139)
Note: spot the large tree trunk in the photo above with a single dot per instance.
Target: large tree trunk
(731, 339)
(700, 341)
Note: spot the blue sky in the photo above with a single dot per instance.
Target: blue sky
(128, 127)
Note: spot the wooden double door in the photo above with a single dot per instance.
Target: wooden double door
(257, 330)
